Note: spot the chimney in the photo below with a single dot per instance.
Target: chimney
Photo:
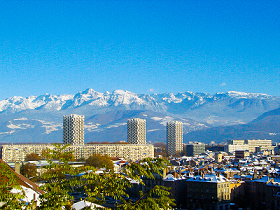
(164, 173)
(261, 174)
(17, 167)
(226, 174)
(34, 202)
(255, 175)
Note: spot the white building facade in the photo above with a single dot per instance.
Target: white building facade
(136, 131)
(133, 152)
(251, 145)
(73, 129)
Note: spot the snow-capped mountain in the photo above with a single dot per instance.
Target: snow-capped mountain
(39, 118)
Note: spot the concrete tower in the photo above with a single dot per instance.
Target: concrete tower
(174, 137)
(73, 129)
(136, 131)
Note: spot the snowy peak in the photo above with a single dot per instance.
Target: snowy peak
(180, 103)
(39, 118)
(119, 97)
(237, 95)
(18, 103)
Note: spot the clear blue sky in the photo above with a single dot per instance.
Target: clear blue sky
(143, 46)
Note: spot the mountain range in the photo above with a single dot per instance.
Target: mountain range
(39, 118)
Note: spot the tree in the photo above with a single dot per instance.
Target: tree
(32, 156)
(160, 149)
(57, 187)
(29, 170)
(99, 161)
(99, 186)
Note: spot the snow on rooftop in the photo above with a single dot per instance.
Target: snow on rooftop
(208, 178)
(169, 177)
(29, 194)
(82, 204)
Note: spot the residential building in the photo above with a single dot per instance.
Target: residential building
(256, 192)
(231, 148)
(171, 179)
(250, 145)
(218, 157)
(273, 195)
(136, 131)
(237, 191)
(208, 192)
(259, 144)
(235, 142)
(177, 185)
(17, 152)
(241, 154)
(195, 148)
(73, 129)
(174, 137)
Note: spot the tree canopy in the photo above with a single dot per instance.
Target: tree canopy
(29, 170)
(32, 156)
(61, 180)
(100, 161)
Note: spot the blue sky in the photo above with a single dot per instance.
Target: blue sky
(143, 46)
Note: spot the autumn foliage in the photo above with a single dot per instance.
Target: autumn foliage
(99, 161)
(32, 157)
(29, 170)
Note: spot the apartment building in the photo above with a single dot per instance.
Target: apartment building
(17, 152)
(195, 148)
(208, 192)
(250, 145)
(174, 137)
(259, 144)
(136, 131)
(73, 129)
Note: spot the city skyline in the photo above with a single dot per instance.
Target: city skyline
(143, 47)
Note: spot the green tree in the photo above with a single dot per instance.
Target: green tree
(100, 161)
(57, 188)
(98, 186)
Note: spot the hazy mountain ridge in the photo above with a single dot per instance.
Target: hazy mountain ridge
(110, 126)
(39, 118)
(267, 126)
